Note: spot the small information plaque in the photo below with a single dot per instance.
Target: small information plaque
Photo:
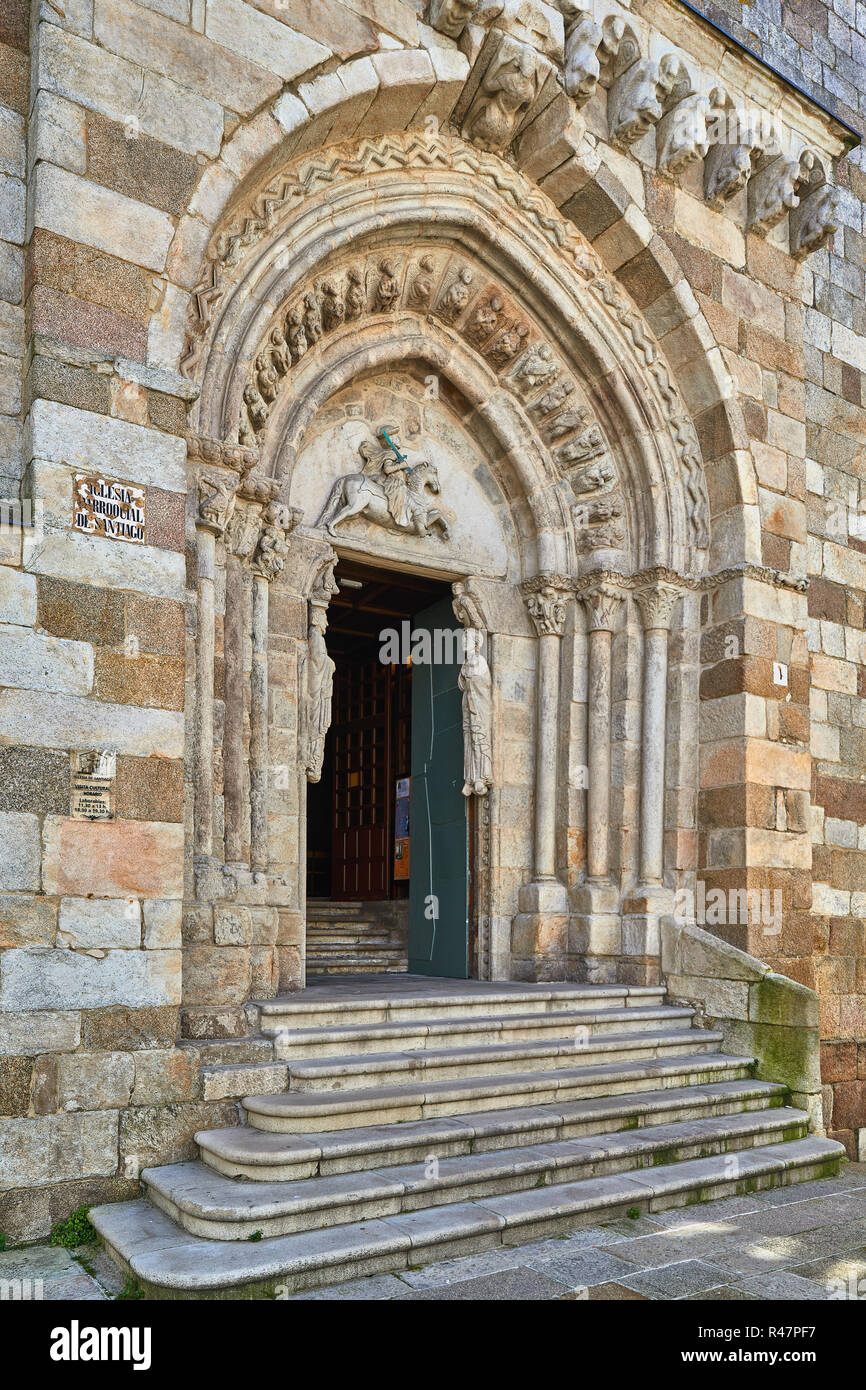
(93, 785)
(104, 508)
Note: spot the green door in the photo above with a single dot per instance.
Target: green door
(439, 875)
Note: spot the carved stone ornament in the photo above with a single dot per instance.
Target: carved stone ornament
(656, 605)
(477, 686)
(278, 521)
(216, 502)
(682, 136)
(318, 692)
(391, 490)
(774, 190)
(634, 103)
(450, 16)
(591, 476)
(603, 603)
(505, 94)
(467, 605)
(587, 45)
(547, 609)
(814, 222)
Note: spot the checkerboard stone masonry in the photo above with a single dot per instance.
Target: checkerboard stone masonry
(126, 131)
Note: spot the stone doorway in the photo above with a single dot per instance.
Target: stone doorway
(360, 811)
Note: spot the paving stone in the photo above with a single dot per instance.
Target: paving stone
(580, 1270)
(677, 1280)
(519, 1284)
(781, 1284)
(805, 1216)
(46, 1273)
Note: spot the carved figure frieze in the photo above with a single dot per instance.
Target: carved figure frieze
(422, 285)
(333, 308)
(281, 357)
(484, 320)
(599, 524)
(564, 423)
(355, 297)
(390, 490)
(506, 345)
(387, 286)
(814, 221)
(537, 367)
(590, 477)
(589, 444)
(312, 317)
(552, 398)
(242, 532)
(457, 295)
(683, 134)
(297, 334)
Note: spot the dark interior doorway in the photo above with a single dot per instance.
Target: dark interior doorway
(353, 842)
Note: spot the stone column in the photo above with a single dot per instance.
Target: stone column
(656, 605)
(539, 935)
(216, 501)
(602, 607)
(233, 725)
(547, 610)
(595, 933)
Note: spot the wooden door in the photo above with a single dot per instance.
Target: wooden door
(361, 729)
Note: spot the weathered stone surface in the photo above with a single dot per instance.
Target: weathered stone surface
(165, 1134)
(20, 861)
(69, 555)
(270, 43)
(144, 680)
(26, 1034)
(60, 979)
(127, 1030)
(17, 597)
(166, 1077)
(55, 1148)
(88, 443)
(64, 721)
(90, 276)
(113, 859)
(232, 926)
(95, 78)
(162, 918)
(95, 1081)
(101, 923)
(149, 789)
(73, 207)
(15, 1085)
(80, 611)
(34, 662)
(142, 168)
(34, 780)
(215, 975)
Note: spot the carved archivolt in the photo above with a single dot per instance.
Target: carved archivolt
(454, 292)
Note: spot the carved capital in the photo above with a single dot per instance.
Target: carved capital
(546, 602)
(216, 503)
(278, 521)
(656, 604)
(221, 454)
(603, 602)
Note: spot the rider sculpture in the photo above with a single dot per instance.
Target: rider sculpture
(389, 491)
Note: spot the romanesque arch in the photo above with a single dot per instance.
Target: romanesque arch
(416, 263)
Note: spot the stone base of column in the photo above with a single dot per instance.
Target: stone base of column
(641, 948)
(594, 934)
(539, 932)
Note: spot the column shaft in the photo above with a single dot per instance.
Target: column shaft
(204, 671)
(259, 727)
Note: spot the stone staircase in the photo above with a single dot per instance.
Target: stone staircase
(348, 938)
(395, 1122)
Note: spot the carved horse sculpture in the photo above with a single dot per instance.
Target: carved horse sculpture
(359, 494)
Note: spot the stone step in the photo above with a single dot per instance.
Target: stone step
(170, 1262)
(427, 1033)
(208, 1204)
(355, 965)
(309, 1112)
(289, 1012)
(374, 1069)
(263, 1156)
